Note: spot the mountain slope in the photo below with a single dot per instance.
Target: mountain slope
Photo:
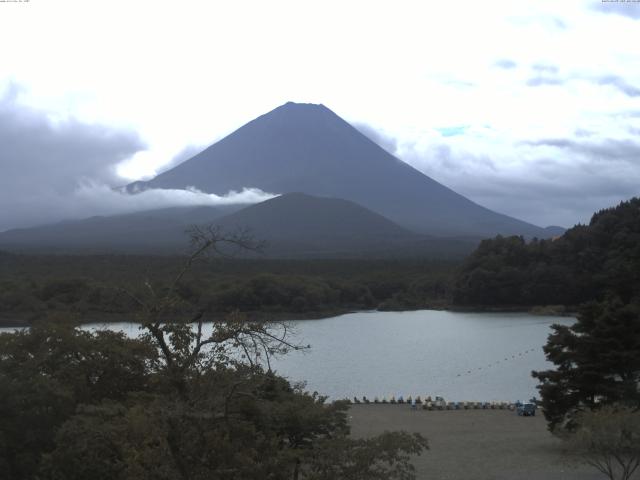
(154, 231)
(305, 216)
(308, 148)
(294, 225)
(301, 224)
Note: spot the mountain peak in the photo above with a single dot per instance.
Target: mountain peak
(307, 106)
(291, 104)
(299, 112)
(305, 147)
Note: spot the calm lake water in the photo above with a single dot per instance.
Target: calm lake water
(460, 356)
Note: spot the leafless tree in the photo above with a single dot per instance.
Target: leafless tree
(187, 343)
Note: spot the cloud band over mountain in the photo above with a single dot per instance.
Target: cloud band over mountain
(64, 169)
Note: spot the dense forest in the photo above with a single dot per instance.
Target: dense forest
(174, 403)
(90, 288)
(586, 263)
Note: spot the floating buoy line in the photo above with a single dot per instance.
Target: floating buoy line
(438, 403)
(508, 358)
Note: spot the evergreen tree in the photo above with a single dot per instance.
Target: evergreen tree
(597, 362)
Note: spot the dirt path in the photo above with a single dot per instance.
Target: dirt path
(476, 444)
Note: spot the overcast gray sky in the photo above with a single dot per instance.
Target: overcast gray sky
(531, 108)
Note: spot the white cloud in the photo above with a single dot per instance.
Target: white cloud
(103, 200)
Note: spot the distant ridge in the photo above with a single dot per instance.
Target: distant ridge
(293, 225)
(308, 148)
(300, 224)
(319, 219)
(154, 231)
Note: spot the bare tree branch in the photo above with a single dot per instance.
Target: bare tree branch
(183, 344)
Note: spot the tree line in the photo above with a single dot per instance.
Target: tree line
(33, 287)
(587, 263)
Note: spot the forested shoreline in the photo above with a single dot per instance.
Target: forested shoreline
(92, 288)
(587, 263)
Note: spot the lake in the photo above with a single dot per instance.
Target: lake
(460, 356)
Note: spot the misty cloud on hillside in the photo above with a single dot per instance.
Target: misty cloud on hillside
(103, 200)
(55, 170)
(546, 179)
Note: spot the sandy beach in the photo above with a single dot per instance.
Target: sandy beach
(476, 444)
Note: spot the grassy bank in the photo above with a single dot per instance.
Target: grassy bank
(478, 444)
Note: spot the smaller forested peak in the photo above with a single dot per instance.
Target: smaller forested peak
(585, 263)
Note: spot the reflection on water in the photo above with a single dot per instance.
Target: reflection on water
(461, 356)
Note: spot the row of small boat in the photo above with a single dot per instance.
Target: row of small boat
(437, 403)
